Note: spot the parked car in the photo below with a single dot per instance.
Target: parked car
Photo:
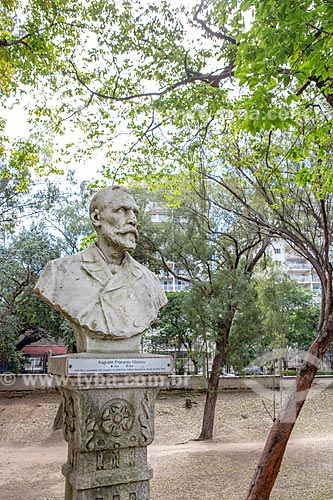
(226, 374)
(253, 370)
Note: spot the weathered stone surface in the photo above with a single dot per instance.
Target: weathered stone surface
(108, 428)
(110, 300)
(95, 421)
(100, 304)
(132, 491)
(108, 297)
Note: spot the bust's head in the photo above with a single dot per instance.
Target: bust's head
(113, 213)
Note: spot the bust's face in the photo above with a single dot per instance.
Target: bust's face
(118, 219)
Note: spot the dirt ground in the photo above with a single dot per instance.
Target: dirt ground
(31, 454)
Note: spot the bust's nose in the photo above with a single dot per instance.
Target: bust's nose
(131, 218)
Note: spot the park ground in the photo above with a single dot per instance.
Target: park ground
(31, 453)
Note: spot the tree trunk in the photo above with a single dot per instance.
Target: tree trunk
(195, 365)
(29, 338)
(271, 458)
(212, 391)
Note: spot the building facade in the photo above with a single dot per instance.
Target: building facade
(297, 267)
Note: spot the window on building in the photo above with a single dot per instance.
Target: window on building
(159, 217)
(277, 250)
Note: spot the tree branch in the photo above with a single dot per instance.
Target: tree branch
(216, 34)
(76, 111)
(5, 43)
(258, 255)
(209, 78)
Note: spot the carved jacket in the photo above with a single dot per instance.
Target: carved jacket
(84, 290)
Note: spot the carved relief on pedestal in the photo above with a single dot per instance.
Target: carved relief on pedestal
(71, 455)
(131, 457)
(117, 417)
(100, 460)
(115, 457)
(145, 418)
(90, 427)
(68, 415)
(132, 496)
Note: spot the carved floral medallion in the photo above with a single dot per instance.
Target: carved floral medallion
(117, 417)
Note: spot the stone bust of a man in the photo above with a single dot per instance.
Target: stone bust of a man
(108, 297)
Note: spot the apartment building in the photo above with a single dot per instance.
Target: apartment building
(298, 268)
(159, 214)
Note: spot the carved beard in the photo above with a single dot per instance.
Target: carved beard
(124, 239)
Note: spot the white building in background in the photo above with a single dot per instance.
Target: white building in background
(160, 214)
(171, 284)
(296, 266)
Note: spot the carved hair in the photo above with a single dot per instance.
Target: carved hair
(102, 197)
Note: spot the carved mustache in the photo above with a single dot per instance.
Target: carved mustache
(129, 229)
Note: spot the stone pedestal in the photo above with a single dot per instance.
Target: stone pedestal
(108, 422)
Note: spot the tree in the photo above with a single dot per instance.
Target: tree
(68, 217)
(23, 254)
(82, 61)
(24, 317)
(174, 329)
(21, 261)
(278, 315)
(288, 314)
(304, 219)
(17, 202)
(166, 65)
(217, 254)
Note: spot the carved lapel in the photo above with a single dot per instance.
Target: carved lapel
(127, 273)
(95, 266)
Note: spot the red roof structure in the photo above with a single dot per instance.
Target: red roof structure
(39, 350)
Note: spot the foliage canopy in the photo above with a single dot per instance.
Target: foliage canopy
(154, 85)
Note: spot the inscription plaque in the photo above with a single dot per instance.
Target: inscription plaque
(118, 365)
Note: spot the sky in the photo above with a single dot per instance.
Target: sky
(17, 126)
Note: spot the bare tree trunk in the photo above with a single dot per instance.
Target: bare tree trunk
(195, 365)
(271, 458)
(212, 391)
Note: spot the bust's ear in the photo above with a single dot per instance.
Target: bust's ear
(95, 218)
